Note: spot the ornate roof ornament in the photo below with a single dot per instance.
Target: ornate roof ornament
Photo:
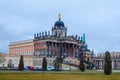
(59, 16)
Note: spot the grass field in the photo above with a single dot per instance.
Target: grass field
(59, 76)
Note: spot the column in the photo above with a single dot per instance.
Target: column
(52, 47)
(57, 51)
(102, 64)
(115, 64)
(112, 64)
(98, 64)
(68, 49)
(95, 61)
(73, 50)
(65, 50)
(48, 45)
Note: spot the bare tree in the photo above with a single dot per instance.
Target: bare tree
(2, 58)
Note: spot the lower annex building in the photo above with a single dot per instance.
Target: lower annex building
(51, 44)
(115, 60)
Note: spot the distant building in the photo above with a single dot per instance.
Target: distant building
(115, 58)
(12, 61)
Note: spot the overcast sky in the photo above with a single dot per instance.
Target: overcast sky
(98, 19)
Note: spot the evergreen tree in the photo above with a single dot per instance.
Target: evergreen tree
(44, 64)
(21, 63)
(82, 65)
(56, 65)
(107, 64)
(60, 63)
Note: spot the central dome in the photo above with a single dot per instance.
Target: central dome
(59, 23)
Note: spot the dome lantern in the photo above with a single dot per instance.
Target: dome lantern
(59, 23)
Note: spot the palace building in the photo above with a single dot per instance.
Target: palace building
(58, 43)
(51, 44)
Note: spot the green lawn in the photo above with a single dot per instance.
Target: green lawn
(58, 76)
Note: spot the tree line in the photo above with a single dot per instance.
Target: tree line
(58, 64)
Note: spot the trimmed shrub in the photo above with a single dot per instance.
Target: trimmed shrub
(107, 64)
(82, 65)
(21, 63)
(44, 64)
(58, 64)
